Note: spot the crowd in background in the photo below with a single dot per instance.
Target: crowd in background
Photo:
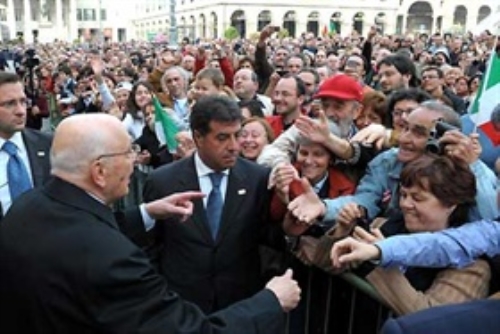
(349, 130)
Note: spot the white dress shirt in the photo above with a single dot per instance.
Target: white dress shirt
(16, 139)
(203, 172)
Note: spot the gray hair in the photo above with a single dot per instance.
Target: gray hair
(77, 158)
(182, 72)
(328, 70)
(449, 115)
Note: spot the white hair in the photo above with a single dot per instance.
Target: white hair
(76, 158)
(183, 73)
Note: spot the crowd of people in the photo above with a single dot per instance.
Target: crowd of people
(286, 151)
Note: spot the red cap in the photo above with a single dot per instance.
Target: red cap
(342, 87)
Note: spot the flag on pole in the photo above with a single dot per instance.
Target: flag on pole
(487, 98)
(165, 127)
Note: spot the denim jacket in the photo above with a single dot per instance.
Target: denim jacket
(381, 182)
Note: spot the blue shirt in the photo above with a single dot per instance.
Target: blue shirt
(382, 179)
(457, 247)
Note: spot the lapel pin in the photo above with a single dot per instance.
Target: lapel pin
(242, 192)
(40, 153)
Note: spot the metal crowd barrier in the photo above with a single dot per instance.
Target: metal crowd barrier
(337, 304)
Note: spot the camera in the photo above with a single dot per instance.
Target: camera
(440, 128)
(281, 71)
(31, 60)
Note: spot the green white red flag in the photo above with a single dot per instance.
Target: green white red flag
(487, 98)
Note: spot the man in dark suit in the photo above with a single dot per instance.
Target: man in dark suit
(29, 149)
(66, 268)
(478, 317)
(212, 259)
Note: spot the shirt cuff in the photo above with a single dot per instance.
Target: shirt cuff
(148, 221)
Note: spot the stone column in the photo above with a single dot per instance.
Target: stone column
(45, 9)
(403, 24)
(72, 24)
(28, 35)
(11, 19)
(58, 21)
(471, 21)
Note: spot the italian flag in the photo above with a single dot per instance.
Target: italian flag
(165, 127)
(487, 98)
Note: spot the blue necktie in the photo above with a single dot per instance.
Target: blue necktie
(214, 204)
(17, 175)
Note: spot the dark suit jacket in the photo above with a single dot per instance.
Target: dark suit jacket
(66, 268)
(38, 147)
(212, 274)
(478, 317)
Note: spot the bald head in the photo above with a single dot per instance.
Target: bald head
(80, 139)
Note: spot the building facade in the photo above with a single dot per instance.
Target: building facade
(69, 20)
(119, 20)
(210, 18)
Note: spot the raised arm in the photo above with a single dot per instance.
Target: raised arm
(457, 247)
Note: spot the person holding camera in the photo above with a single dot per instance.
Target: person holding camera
(86, 91)
(37, 105)
(378, 191)
(263, 67)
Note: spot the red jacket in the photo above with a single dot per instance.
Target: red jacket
(225, 67)
(276, 123)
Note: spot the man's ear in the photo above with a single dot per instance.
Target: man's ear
(98, 173)
(407, 78)
(197, 137)
(301, 99)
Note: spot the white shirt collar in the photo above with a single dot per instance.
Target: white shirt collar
(16, 139)
(317, 187)
(202, 169)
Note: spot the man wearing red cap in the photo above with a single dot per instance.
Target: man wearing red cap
(341, 98)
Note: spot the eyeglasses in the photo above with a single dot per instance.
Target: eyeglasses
(400, 112)
(131, 153)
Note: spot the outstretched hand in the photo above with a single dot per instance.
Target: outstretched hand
(308, 206)
(350, 251)
(179, 204)
(316, 131)
(373, 134)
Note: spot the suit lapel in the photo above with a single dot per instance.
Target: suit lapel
(189, 181)
(37, 156)
(236, 193)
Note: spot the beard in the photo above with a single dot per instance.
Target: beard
(341, 127)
